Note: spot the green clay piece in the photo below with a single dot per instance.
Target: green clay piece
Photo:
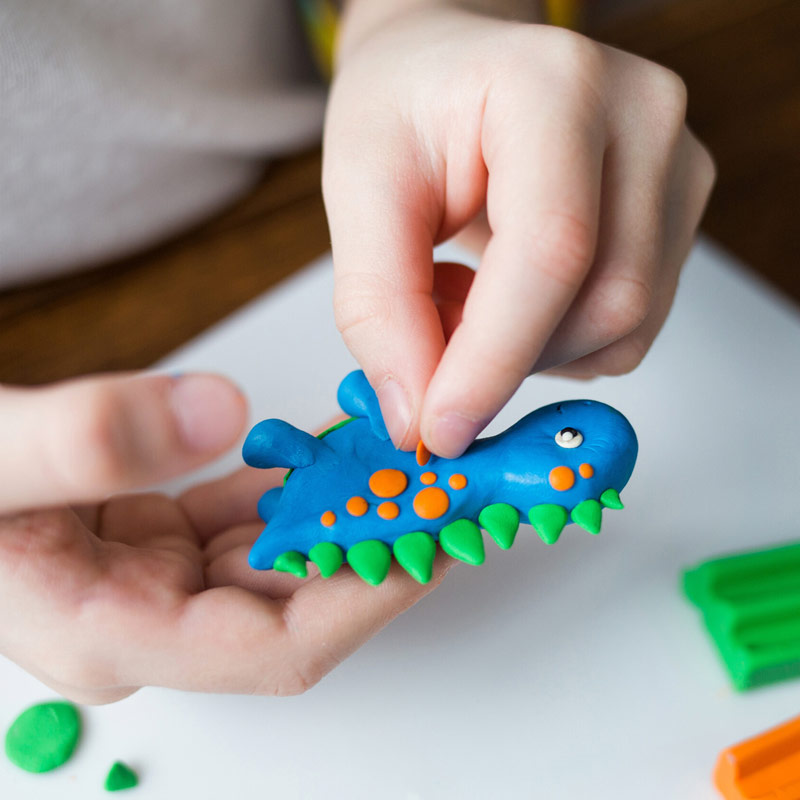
(327, 556)
(589, 515)
(293, 562)
(415, 552)
(43, 736)
(548, 521)
(501, 521)
(751, 607)
(370, 560)
(119, 777)
(462, 540)
(611, 499)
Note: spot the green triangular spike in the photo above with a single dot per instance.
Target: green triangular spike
(462, 539)
(327, 556)
(370, 560)
(611, 499)
(120, 776)
(548, 521)
(414, 553)
(501, 521)
(589, 515)
(293, 562)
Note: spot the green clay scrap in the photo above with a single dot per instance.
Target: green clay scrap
(611, 499)
(292, 562)
(120, 777)
(548, 521)
(501, 522)
(462, 540)
(370, 560)
(43, 736)
(589, 515)
(415, 553)
(327, 556)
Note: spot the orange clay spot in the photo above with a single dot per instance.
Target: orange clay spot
(423, 454)
(562, 478)
(586, 470)
(431, 503)
(328, 518)
(388, 510)
(457, 481)
(428, 478)
(388, 482)
(356, 506)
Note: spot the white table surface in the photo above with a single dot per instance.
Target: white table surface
(574, 671)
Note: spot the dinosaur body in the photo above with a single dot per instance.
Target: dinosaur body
(350, 495)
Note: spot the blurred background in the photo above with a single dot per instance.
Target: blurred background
(739, 58)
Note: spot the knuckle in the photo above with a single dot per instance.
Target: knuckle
(706, 167)
(565, 245)
(670, 93)
(623, 356)
(360, 302)
(625, 307)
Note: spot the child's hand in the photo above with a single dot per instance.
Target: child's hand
(569, 160)
(98, 600)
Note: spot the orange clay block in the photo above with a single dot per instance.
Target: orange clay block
(428, 478)
(431, 503)
(356, 506)
(766, 767)
(388, 482)
(423, 454)
(388, 510)
(457, 481)
(586, 470)
(328, 519)
(562, 479)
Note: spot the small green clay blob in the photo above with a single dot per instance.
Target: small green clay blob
(501, 521)
(415, 553)
(548, 521)
(611, 499)
(43, 736)
(292, 562)
(462, 540)
(589, 515)
(327, 556)
(119, 777)
(370, 560)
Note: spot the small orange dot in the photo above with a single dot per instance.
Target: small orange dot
(388, 482)
(328, 518)
(562, 478)
(423, 454)
(388, 510)
(357, 506)
(586, 470)
(431, 503)
(457, 481)
(428, 478)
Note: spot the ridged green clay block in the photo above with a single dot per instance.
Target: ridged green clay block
(120, 777)
(292, 562)
(589, 515)
(501, 522)
(415, 552)
(611, 499)
(43, 736)
(751, 608)
(327, 556)
(370, 560)
(462, 539)
(548, 521)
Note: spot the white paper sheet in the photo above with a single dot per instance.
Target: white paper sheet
(573, 671)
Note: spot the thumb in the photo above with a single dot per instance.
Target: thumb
(82, 440)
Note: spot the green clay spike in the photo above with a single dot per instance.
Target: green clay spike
(293, 562)
(589, 515)
(548, 521)
(327, 556)
(501, 521)
(611, 499)
(414, 552)
(119, 777)
(462, 540)
(43, 736)
(370, 560)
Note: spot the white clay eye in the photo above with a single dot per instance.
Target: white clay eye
(569, 437)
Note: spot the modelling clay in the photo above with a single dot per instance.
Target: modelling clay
(350, 495)
(751, 608)
(766, 767)
(43, 736)
(119, 777)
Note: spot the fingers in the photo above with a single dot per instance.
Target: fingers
(543, 205)
(82, 440)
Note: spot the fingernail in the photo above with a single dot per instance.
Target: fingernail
(396, 409)
(209, 411)
(452, 433)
